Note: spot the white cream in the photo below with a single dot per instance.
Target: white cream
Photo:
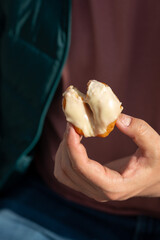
(104, 104)
(76, 111)
(95, 111)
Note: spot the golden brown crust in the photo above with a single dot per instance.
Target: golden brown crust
(64, 103)
(78, 130)
(109, 129)
(103, 135)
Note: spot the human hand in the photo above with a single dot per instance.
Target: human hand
(137, 175)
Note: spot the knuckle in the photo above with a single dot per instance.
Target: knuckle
(117, 196)
(64, 167)
(60, 178)
(114, 196)
(77, 167)
(55, 172)
(57, 176)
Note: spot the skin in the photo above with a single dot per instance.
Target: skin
(136, 175)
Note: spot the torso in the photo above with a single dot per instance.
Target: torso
(116, 43)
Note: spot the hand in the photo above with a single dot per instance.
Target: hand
(136, 175)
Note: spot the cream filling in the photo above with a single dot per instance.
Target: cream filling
(95, 111)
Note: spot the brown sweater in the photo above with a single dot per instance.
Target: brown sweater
(117, 42)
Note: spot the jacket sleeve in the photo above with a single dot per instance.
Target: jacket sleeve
(2, 27)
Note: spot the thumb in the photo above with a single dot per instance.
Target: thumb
(141, 132)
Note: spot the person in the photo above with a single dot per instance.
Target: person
(56, 185)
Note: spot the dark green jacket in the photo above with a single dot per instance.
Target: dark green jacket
(34, 42)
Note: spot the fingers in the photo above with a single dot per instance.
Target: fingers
(99, 182)
(66, 175)
(142, 134)
(59, 173)
(74, 169)
(90, 170)
(81, 183)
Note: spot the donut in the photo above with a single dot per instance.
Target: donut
(93, 114)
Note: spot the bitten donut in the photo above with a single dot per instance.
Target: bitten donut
(93, 114)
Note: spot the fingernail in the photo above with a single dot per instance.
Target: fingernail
(125, 120)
